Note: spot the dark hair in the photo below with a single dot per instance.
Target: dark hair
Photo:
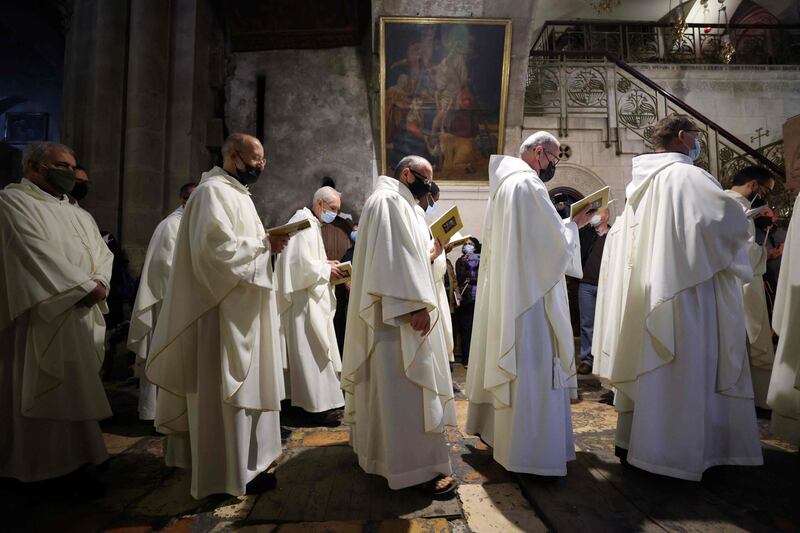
(477, 244)
(184, 192)
(748, 174)
(665, 132)
(434, 189)
(327, 181)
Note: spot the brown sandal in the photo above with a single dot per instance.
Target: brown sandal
(444, 493)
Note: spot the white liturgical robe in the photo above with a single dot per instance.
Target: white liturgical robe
(307, 304)
(51, 348)
(684, 392)
(398, 393)
(442, 334)
(152, 288)
(216, 354)
(759, 330)
(784, 388)
(522, 357)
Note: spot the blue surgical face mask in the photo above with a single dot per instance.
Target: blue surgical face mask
(353, 235)
(468, 248)
(694, 152)
(328, 216)
(429, 210)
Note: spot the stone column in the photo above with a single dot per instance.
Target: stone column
(94, 99)
(145, 124)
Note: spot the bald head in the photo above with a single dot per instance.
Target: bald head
(418, 164)
(243, 157)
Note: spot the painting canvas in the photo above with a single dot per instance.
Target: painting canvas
(444, 83)
(26, 127)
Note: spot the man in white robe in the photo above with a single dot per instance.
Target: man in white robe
(746, 185)
(307, 304)
(54, 272)
(398, 394)
(442, 332)
(784, 388)
(152, 288)
(522, 356)
(216, 355)
(684, 393)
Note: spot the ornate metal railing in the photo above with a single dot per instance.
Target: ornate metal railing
(566, 85)
(656, 42)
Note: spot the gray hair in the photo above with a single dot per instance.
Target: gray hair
(540, 138)
(327, 194)
(39, 152)
(414, 162)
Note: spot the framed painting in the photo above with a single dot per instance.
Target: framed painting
(444, 85)
(25, 127)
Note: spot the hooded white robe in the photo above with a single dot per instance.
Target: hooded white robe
(152, 288)
(784, 388)
(216, 354)
(759, 330)
(445, 325)
(684, 392)
(522, 357)
(306, 305)
(398, 394)
(51, 349)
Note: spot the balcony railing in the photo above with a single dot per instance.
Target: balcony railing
(656, 42)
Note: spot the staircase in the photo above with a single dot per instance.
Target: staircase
(577, 87)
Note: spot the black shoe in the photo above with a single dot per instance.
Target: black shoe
(286, 434)
(622, 453)
(584, 369)
(262, 483)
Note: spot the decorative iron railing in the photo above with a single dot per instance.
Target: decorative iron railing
(657, 42)
(605, 87)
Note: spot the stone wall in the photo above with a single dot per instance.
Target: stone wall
(316, 123)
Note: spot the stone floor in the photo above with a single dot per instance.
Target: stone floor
(322, 489)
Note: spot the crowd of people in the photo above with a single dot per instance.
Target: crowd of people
(231, 322)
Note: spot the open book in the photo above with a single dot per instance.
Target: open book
(347, 270)
(596, 200)
(447, 225)
(753, 213)
(290, 229)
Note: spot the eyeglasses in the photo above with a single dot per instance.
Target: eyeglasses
(257, 160)
(558, 159)
(421, 177)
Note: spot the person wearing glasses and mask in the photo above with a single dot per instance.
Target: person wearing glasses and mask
(521, 371)
(216, 355)
(748, 187)
(593, 240)
(55, 271)
(398, 389)
(306, 305)
(683, 388)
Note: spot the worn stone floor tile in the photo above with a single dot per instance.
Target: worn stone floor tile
(349, 526)
(499, 507)
(116, 444)
(259, 528)
(326, 438)
(461, 416)
(459, 526)
(418, 525)
(181, 525)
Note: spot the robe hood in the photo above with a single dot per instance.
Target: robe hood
(646, 167)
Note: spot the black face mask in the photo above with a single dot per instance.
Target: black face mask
(80, 190)
(61, 180)
(249, 175)
(419, 187)
(547, 173)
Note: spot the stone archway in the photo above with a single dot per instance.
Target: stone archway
(576, 177)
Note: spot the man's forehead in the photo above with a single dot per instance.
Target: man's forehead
(60, 156)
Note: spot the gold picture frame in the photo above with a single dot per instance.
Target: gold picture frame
(444, 93)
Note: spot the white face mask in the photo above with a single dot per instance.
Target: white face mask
(328, 216)
(468, 248)
(429, 210)
(595, 220)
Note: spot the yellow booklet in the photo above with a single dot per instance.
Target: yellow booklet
(347, 270)
(596, 200)
(290, 229)
(447, 225)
